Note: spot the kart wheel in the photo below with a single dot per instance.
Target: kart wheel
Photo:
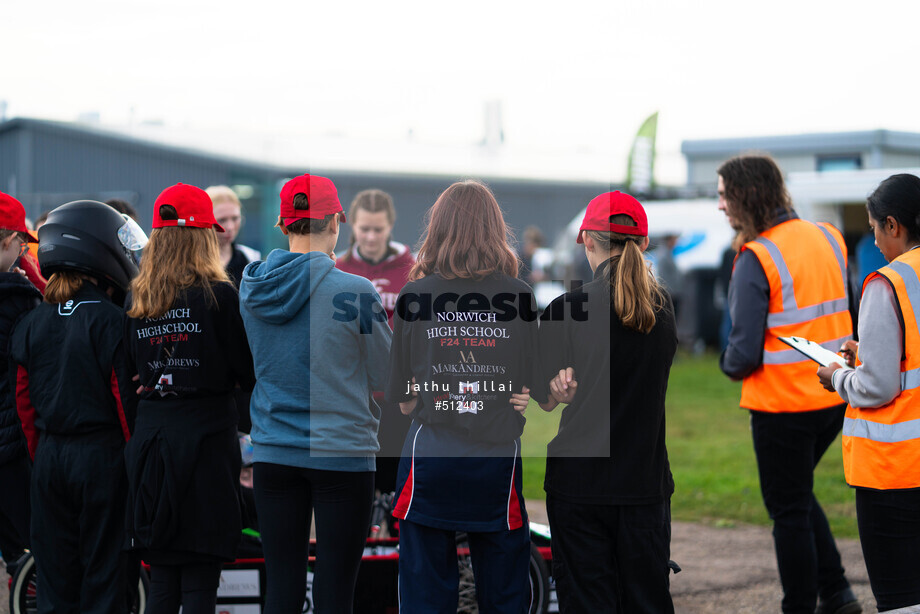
(539, 580)
(143, 589)
(23, 589)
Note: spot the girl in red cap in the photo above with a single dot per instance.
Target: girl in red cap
(465, 329)
(608, 483)
(314, 423)
(185, 337)
(13, 219)
(17, 297)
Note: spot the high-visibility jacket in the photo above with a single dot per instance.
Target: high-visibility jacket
(881, 446)
(805, 265)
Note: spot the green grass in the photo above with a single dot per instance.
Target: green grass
(540, 428)
(711, 454)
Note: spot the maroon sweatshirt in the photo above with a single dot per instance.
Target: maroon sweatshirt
(388, 276)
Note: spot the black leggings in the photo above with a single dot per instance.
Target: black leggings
(286, 498)
(889, 531)
(194, 586)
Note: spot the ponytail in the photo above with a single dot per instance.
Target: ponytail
(635, 294)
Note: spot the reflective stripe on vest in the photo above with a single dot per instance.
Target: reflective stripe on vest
(805, 267)
(791, 313)
(911, 285)
(881, 445)
(886, 433)
(910, 378)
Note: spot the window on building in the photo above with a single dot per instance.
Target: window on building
(839, 163)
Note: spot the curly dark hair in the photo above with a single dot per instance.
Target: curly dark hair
(755, 192)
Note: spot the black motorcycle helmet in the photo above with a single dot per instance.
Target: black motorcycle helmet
(93, 238)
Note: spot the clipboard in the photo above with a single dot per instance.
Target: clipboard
(814, 351)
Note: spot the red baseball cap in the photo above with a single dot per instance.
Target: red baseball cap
(13, 216)
(603, 207)
(193, 205)
(322, 199)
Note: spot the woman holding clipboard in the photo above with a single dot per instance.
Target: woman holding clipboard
(881, 445)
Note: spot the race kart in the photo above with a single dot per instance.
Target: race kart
(242, 582)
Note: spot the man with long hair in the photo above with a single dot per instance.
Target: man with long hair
(789, 279)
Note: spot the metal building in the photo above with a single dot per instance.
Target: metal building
(828, 175)
(835, 151)
(45, 164)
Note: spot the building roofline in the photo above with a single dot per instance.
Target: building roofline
(830, 142)
(113, 136)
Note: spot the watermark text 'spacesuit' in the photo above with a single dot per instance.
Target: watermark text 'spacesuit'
(470, 307)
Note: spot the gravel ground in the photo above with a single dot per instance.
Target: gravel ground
(733, 570)
(725, 570)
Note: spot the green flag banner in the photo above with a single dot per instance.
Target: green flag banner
(640, 172)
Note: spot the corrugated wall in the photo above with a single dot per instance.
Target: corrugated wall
(94, 167)
(9, 163)
(45, 164)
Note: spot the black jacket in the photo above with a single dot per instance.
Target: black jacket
(610, 449)
(469, 345)
(195, 350)
(183, 462)
(17, 297)
(71, 361)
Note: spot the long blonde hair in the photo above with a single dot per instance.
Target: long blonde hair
(223, 194)
(635, 294)
(175, 260)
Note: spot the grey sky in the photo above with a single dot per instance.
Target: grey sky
(576, 76)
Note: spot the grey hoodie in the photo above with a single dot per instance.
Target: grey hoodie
(320, 344)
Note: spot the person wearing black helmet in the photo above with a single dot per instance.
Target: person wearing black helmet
(77, 404)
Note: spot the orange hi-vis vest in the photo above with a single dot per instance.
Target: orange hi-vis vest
(805, 265)
(881, 446)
